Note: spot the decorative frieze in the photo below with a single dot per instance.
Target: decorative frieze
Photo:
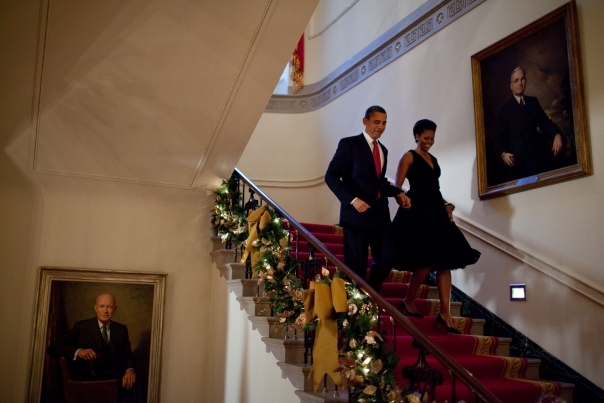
(430, 18)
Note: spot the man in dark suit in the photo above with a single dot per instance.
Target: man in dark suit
(357, 176)
(98, 348)
(524, 132)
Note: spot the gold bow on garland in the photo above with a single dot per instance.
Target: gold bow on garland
(320, 301)
(256, 222)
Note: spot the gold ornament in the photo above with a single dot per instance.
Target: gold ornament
(300, 321)
(347, 362)
(324, 272)
(413, 398)
(370, 390)
(377, 366)
(352, 309)
(283, 242)
(352, 343)
(371, 336)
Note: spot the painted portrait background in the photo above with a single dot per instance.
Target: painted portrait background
(71, 301)
(544, 56)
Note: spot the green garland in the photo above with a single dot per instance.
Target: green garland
(228, 217)
(365, 362)
(277, 272)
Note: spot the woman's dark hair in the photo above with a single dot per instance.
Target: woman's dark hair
(423, 125)
(373, 109)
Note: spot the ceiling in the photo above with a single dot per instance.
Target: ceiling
(158, 92)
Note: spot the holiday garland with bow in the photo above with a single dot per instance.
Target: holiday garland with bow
(228, 216)
(365, 363)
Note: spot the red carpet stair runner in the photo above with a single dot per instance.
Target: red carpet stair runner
(511, 379)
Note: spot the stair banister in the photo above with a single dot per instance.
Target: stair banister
(460, 373)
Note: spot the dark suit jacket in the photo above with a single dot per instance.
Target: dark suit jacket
(351, 173)
(517, 129)
(115, 358)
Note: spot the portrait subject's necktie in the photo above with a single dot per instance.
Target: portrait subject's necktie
(377, 161)
(104, 333)
(522, 104)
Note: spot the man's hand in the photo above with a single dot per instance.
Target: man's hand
(450, 212)
(360, 205)
(129, 379)
(557, 147)
(508, 159)
(87, 354)
(403, 200)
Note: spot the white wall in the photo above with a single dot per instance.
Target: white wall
(560, 224)
(48, 220)
(353, 24)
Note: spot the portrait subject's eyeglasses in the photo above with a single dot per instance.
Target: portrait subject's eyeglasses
(516, 81)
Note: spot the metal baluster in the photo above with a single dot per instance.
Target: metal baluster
(325, 384)
(336, 393)
(393, 333)
(453, 385)
(297, 242)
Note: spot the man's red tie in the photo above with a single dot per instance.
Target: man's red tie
(377, 161)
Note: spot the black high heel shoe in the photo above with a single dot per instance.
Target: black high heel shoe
(441, 321)
(409, 313)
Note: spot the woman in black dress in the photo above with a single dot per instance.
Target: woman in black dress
(427, 237)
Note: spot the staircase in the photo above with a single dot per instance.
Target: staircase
(511, 379)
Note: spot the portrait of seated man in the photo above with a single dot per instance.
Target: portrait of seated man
(99, 348)
(527, 140)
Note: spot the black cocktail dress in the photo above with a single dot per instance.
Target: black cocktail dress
(424, 234)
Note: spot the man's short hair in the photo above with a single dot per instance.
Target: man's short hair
(515, 70)
(373, 109)
(422, 125)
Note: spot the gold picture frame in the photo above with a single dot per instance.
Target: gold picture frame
(67, 295)
(548, 51)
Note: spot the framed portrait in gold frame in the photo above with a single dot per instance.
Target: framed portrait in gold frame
(67, 296)
(529, 108)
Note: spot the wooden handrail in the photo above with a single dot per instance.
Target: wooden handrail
(460, 372)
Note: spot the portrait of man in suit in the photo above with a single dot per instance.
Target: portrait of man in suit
(98, 348)
(527, 109)
(357, 176)
(80, 314)
(527, 140)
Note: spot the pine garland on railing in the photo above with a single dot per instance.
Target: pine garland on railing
(228, 216)
(277, 272)
(365, 362)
